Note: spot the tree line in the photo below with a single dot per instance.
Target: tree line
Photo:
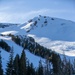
(20, 65)
(54, 65)
(30, 44)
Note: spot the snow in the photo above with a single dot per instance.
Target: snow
(56, 34)
(58, 46)
(27, 26)
(5, 57)
(9, 32)
(33, 59)
(5, 38)
(18, 50)
(53, 33)
(54, 29)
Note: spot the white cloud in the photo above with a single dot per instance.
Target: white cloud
(21, 17)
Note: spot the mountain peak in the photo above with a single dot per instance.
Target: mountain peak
(54, 28)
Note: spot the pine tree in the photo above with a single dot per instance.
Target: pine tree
(32, 69)
(1, 70)
(47, 68)
(74, 66)
(65, 65)
(16, 65)
(56, 60)
(40, 68)
(28, 68)
(9, 69)
(68, 68)
(59, 66)
(23, 63)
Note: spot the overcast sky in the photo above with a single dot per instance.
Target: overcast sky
(19, 11)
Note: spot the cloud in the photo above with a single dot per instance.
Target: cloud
(36, 12)
(21, 17)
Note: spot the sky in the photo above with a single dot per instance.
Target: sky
(19, 11)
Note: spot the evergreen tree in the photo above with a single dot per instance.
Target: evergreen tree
(74, 66)
(28, 68)
(59, 66)
(9, 69)
(1, 70)
(32, 69)
(68, 68)
(23, 63)
(40, 68)
(56, 60)
(47, 68)
(16, 65)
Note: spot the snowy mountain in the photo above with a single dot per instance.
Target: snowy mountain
(52, 33)
(56, 34)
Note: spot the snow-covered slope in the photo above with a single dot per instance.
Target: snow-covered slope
(53, 28)
(53, 33)
(17, 50)
(56, 34)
